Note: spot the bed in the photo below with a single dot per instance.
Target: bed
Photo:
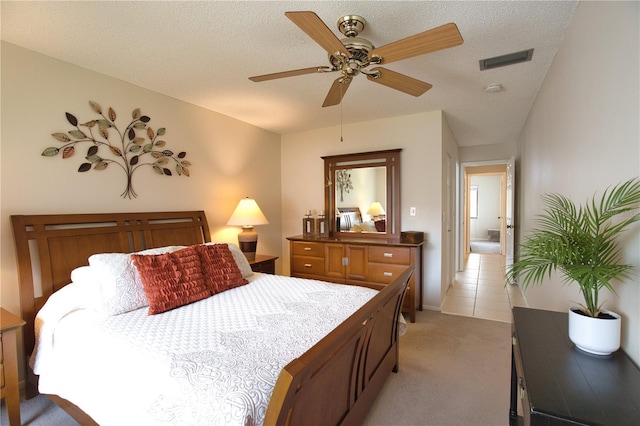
(328, 371)
(350, 220)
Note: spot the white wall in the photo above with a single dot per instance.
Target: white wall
(583, 135)
(419, 136)
(230, 159)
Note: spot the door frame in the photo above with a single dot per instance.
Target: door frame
(497, 167)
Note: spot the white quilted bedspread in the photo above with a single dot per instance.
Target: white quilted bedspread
(213, 362)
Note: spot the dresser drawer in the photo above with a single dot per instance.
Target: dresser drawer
(303, 248)
(381, 273)
(308, 265)
(393, 255)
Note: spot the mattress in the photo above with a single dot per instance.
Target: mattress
(214, 361)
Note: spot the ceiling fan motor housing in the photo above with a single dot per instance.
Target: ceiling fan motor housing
(351, 25)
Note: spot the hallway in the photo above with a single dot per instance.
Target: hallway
(479, 290)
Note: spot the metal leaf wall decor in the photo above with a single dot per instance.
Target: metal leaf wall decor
(127, 148)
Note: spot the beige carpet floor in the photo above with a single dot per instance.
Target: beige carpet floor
(454, 370)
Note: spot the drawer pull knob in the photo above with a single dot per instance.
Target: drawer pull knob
(307, 265)
(388, 255)
(388, 274)
(307, 249)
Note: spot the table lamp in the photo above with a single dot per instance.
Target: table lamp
(247, 214)
(375, 210)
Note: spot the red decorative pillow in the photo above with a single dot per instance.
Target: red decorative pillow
(171, 280)
(221, 272)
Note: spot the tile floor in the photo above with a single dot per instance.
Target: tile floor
(479, 290)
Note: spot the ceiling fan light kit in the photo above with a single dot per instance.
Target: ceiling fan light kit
(353, 55)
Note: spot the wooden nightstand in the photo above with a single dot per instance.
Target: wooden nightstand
(264, 263)
(9, 325)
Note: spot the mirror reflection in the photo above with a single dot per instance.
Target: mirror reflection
(361, 195)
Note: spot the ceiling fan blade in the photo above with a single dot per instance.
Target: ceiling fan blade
(429, 41)
(291, 73)
(311, 24)
(401, 82)
(337, 91)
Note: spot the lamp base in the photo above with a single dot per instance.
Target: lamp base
(248, 242)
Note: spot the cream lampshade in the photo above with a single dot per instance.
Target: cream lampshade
(247, 214)
(375, 210)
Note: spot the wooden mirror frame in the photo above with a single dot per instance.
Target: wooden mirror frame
(389, 159)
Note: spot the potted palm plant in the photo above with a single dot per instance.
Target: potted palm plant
(581, 243)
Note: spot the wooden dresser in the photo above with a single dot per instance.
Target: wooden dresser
(371, 263)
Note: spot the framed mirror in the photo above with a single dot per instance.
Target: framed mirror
(362, 194)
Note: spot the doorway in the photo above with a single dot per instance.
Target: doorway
(485, 209)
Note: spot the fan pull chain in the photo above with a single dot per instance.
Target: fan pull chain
(341, 95)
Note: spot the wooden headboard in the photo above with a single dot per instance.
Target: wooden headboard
(49, 247)
(349, 216)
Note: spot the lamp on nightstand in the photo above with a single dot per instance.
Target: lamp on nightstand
(376, 211)
(247, 214)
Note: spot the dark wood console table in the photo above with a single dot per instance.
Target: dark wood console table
(559, 384)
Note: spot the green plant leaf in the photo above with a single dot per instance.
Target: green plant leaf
(157, 169)
(50, 152)
(579, 242)
(93, 158)
(147, 148)
(139, 125)
(135, 148)
(161, 131)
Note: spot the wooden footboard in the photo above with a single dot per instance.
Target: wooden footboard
(337, 380)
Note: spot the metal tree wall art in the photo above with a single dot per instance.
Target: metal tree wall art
(343, 181)
(127, 149)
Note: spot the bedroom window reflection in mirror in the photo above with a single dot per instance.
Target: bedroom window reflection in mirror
(363, 191)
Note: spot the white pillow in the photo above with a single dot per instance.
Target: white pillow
(121, 289)
(240, 258)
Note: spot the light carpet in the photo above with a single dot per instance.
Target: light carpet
(454, 370)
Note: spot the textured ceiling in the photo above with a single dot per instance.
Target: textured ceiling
(203, 53)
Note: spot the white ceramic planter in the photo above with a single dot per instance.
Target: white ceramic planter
(595, 335)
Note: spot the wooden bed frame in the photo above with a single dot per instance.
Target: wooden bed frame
(334, 382)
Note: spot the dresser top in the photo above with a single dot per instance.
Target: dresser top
(357, 241)
(565, 382)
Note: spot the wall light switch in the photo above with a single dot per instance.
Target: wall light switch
(412, 211)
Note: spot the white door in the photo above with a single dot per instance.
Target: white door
(509, 216)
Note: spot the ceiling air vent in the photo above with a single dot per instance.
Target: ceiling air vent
(504, 60)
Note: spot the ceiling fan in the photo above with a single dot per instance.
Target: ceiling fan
(353, 55)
